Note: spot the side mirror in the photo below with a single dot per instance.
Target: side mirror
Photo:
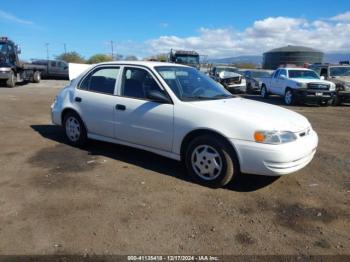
(322, 78)
(283, 77)
(65, 68)
(158, 96)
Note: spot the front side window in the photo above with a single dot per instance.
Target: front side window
(188, 84)
(102, 80)
(137, 82)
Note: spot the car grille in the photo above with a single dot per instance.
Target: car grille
(317, 86)
(233, 80)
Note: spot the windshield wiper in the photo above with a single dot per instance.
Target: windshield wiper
(223, 96)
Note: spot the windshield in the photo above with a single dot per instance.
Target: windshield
(226, 69)
(260, 74)
(187, 59)
(3, 48)
(340, 71)
(307, 74)
(189, 84)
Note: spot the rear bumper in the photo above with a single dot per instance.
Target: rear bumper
(241, 88)
(276, 160)
(55, 114)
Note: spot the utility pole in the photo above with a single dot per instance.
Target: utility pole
(112, 48)
(65, 48)
(47, 51)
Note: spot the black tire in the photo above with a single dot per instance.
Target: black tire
(226, 158)
(336, 101)
(289, 97)
(263, 92)
(36, 77)
(11, 81)
(77, 140)
(249, 88)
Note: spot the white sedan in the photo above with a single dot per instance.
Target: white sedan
(178, 112)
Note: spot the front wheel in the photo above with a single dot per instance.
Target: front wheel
(263, 92)
(211, 161)
(74, 129)
(336, 101)
(289, 97)
(11, 81)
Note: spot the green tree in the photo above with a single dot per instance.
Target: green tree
(131, 58)
(71, 57)
(99, 58)
(158, 57)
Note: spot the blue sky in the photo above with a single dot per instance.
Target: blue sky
(215, 28)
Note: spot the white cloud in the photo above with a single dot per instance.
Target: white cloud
(342, 17)
(164, 25)
(332, 35)
(10, 17)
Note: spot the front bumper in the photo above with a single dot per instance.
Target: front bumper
(276, 160)
(5, 74)
(345, 95)
(315, 95)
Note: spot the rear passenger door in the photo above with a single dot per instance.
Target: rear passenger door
(139, 120)
(96, 100)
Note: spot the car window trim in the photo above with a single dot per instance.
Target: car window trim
(161, 87)
(93, 70)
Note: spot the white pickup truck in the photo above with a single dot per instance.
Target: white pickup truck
(298, 85)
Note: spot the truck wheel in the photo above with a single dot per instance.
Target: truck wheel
(11, 81)
(336, 101)
(263, 92)
(289, 97)
(36, 77)
(210, 161)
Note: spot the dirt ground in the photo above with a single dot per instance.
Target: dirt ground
(109, 199)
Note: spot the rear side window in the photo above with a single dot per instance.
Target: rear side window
(102, 80)
(53, 64)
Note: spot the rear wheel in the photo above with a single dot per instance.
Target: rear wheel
(11, 81)
(263, 92)
(74, 129)
(211, 161)
(36, 77)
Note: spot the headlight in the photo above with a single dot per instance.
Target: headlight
(302, 85)
(347, 86)
(274, 137)
(332, 88)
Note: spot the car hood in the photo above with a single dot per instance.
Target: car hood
(305, 80)
(344, 79)
(258, 114)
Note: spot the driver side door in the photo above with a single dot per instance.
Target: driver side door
(139, 120)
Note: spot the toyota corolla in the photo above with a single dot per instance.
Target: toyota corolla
(178, 112)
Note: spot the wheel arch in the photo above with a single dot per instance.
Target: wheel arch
(203, 131)
(69, 109)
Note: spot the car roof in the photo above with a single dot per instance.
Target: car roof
(295, 68)
(141, 63)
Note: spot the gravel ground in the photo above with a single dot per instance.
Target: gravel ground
(109, 199)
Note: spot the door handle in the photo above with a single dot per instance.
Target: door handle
(78, 99)
(120, 107)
